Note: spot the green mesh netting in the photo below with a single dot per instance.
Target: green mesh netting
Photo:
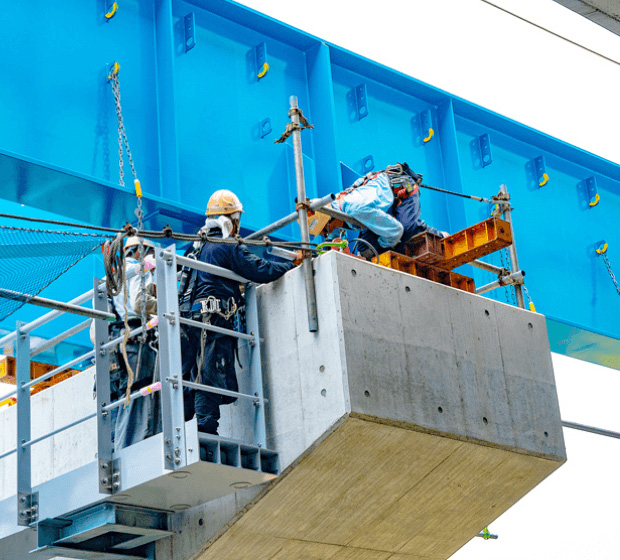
(32, 259)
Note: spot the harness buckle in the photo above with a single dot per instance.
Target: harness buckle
(210, 305)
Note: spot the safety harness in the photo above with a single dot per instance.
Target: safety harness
(206, 307)
(403, 181)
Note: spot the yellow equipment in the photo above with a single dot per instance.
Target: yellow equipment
(223, 202)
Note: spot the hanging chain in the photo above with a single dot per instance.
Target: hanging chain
(610, 271)
(530, 302)
(506, 266)
(123, 141)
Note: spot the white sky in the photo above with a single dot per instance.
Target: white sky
(477, 52)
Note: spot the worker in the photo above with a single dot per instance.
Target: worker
(208, 357)
(142, 417)
(387, 202)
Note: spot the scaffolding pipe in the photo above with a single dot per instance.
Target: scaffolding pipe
(488, 267)
(58, 305)
(515, 278)
(306, 265)
(29, 327)
(513, 249)
(590, 429)
(344, 217)
(315, 204)
(282, 253)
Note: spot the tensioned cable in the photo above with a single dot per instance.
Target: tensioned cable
(166, 233)
(552, 32)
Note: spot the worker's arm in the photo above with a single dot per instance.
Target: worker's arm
(247, 264)
(135, 297)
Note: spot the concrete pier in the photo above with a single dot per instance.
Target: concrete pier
(411, 420)
(414, 417)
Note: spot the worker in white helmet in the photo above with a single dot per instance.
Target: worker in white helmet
(142, 418)
(208, 357)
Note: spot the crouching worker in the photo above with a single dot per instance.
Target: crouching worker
(208, 357)
(387, 202)
(136, 361)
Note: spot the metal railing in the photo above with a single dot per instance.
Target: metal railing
(170, 366)
(173, 424)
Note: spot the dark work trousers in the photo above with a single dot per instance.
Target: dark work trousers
(408, 213)
(142, 418)
(217, 370)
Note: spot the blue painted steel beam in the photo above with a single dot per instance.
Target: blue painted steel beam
(206, 118)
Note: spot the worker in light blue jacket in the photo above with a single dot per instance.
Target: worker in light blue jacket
(387, 202)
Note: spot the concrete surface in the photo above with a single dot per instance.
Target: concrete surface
(411, 420)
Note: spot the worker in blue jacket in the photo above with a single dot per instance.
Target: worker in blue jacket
(208, 357)
(387, 202)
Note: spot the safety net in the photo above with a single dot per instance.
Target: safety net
(31, 259)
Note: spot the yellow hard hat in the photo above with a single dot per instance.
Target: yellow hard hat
(135, 240)
(223, 202)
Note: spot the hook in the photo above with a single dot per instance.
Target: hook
(263, 71)
(113, 9)
(544, 181)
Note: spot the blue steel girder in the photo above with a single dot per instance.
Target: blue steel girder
(196, 122)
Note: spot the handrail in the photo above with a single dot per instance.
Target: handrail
(58, 430)
(40, 321)
(145, 391)
(59, 338)
(53, 304)
(60, 368)
(36, 323)
(216, 390)
(211, 269)
(72, 306)
(213, 328)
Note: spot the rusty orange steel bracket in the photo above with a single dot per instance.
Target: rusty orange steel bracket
(476, 241)
(412, 266)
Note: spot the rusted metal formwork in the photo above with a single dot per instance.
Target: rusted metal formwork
(413, 266)
(475, 241)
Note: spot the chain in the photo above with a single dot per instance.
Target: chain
(78, 233)
(123, 141)
(505, 264)
(610, 271)
(122, 133)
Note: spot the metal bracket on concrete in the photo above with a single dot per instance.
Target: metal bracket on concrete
(28, 508)
(109, 476)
